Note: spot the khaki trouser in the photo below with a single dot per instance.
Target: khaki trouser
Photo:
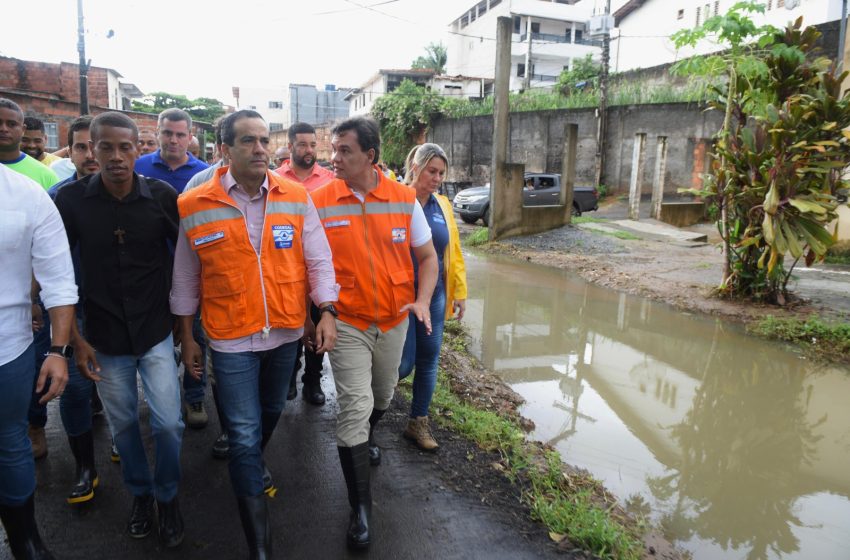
(365, 370)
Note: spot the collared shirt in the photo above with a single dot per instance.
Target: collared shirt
(32, 241)
(152, 165)
(52, 191)
(319, 176)
(125, 259)
(185, 292)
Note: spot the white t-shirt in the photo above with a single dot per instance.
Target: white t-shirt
(32, 241)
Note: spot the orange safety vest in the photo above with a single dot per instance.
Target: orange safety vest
(370, 242)
(243, 293)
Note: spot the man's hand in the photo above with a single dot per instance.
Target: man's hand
(459, 308)
(325, 334)
(193, 358)
(309, 336)
(54, 368)
(37, 318)
(86, 359)
(422, 312)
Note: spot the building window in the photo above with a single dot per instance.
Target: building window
(482, 8)
(494, 3)
(535, 27)
(252, 107)
(273, 126)
(697, 16)
(716, 7)
(517, 24)
(578, 35)
(769, 4)
(680, 14)
(780, 3)
(464, 20)
(275, 104)
(473, 15)
(51, 131)
(520, 70)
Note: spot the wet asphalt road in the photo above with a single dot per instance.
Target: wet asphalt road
(416, 513)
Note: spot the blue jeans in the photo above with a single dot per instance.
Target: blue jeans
(75, 402)
(193, 389)
(423, 351)
(17, 467)
(252, 390)
(119, 393)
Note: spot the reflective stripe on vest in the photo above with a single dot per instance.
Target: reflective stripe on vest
(204, 217)
(372, 208)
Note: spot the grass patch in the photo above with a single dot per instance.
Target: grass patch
(570, 505)
(586, 220)
(837, 259)
(819, 339)
(839, 253)
(478, 237)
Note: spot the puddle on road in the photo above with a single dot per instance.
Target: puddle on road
(736, 446)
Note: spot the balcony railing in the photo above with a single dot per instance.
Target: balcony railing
(543, 78)
(553, 38)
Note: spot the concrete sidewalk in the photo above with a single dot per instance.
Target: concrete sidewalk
(425, 506)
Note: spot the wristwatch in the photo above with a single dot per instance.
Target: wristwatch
(329, 309)
(65, 351)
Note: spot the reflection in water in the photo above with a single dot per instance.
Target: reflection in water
(740, 447)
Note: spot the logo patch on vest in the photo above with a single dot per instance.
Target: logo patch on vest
(337, 223)
(283, 236)
(399, 235)
(208, 238)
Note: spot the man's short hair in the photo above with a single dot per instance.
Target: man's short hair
(175, 115)
(228, 125)
(116, 119)
(11, 105)
(80, 123)
(300, 128)
(217, 128)
(33, 123)
(368, 134)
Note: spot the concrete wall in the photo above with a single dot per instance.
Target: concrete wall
(537, 138)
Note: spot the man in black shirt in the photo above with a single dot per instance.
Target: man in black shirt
(124, 226)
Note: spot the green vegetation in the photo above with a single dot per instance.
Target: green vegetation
(203, 109)
(571, 505)
(478, 237)
(586, 220)
(821, 340)
(779, 152)
(435, 58)
(584, 74)
(404, 115)
(839, 253)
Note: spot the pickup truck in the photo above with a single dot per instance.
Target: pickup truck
(539, 189)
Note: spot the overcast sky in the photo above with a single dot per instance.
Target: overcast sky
(186, 46)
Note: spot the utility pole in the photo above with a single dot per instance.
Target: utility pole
(526, 80)
(602, 123)
(84, 67)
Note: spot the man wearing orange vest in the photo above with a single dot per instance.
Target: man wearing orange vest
(371, 222)
(249, 241)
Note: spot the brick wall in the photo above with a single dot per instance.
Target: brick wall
(61, 80)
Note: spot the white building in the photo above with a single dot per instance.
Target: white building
(644, 27)
(360, 100)
(272, 103)
(284, 105)
(557, 30)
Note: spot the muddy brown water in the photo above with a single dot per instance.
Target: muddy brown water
(736, 446)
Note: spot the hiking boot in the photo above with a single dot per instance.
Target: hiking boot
(221, 447)
(419, 432)
(113, 453)
(141, 517)
(195, 415)
(38, 440)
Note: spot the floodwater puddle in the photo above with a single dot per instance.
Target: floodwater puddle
(736, 446)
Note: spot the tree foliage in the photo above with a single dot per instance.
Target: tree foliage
(404, 115)
(584, 70)
(779, 155)
(204, 109)
(435, 58)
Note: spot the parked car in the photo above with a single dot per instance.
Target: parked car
(539, 189)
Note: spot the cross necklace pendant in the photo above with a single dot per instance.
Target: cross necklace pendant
(119, 233)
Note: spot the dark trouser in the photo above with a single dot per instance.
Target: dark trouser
(312, 361)
(17, 468)
(75, 402)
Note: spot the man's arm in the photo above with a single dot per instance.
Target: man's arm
(322, 279)
(184, 297)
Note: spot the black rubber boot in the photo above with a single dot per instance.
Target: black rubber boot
(374, 450)
(170, 523)
(355, 468)
(24, 540)
(254, 513)
(82, 447)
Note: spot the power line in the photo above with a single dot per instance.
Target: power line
(353, 9)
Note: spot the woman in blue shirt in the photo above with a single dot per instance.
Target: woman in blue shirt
(426, 169)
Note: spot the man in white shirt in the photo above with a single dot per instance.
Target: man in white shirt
(32, 243)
